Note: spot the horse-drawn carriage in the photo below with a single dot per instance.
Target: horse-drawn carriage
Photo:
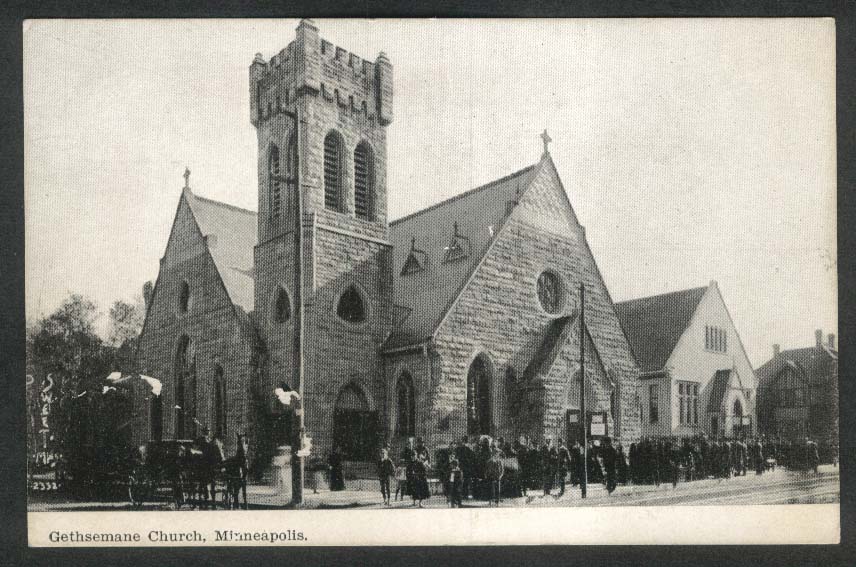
(188, 472)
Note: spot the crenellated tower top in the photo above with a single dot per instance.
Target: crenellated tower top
(311, 64)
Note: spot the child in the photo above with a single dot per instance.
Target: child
(385, 470)
(456, 484)
(400, 482)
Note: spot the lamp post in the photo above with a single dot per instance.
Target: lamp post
(583, 419)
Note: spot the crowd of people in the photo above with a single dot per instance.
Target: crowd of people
(487, 468)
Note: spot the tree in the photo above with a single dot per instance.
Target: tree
(126, 321)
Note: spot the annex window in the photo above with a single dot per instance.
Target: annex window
(184, 297)
(550, 292)
(333, 172)
(275, 181)
(479, 418)
(363, 181)
(653, 403)
(715, 339)
(405, 424)
(688, 403)
(281, 306)
(185, 390)
(351, 306)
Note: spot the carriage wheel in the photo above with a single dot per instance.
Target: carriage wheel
(136, 490)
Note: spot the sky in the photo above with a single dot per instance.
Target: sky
(691, 150)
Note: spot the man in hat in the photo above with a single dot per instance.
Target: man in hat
(549, 464)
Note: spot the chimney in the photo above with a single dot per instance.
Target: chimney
(830, 340)
(147, 293)
(818, 338)
(776, 350)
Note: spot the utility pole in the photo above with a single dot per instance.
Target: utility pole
(583, 419)
(297, 461)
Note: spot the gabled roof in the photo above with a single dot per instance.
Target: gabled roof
(231, 234)
(816, 363)
(556, 335)
(428, 293)
(653, 325)
(719, 386)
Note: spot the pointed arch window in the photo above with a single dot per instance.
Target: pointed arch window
(219, 403)
(291, 163)
(275, 181)
(333, 171)
(185, 389)
(351, 306)
(184, 297)
(550, 292)
(405, 403)
(281, 306)
(478, 397)
(363, 181)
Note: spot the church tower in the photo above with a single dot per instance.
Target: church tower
(321, 114)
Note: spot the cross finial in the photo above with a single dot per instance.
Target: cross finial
(547, 139)
(413, 243)
(187, 178)
(455, 227)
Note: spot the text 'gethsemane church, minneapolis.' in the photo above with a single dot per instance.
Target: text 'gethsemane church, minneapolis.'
(461, 318)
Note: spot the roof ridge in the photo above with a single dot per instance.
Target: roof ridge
(223, 204)
(464, 194)
(660, 295)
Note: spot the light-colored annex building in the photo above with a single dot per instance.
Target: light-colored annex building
(695, 375)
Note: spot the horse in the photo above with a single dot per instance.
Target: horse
(236, 472)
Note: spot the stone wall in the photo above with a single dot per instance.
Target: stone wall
(213, 325)
(498, 314)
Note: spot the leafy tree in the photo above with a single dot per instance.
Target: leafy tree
(126, 321)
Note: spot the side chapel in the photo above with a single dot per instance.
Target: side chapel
(459, 319)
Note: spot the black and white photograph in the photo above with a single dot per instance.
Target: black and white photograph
(381, 269)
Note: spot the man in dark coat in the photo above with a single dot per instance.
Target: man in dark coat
(467, 461)
(609, 456)
(549, 465)
(577, 464)
(812, 458)
(758, 456)
(564, 465)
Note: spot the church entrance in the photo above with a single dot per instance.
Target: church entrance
(355, 426)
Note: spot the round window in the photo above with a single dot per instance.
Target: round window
(550, 292)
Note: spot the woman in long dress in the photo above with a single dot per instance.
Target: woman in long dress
(419, 477)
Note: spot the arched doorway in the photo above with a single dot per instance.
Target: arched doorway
(737, 418)
(354, 425)
(185, 389)
(479, 414)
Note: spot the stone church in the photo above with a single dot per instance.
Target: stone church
(460, 319)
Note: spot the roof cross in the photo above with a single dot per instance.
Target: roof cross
(186, 177)
(547, 139)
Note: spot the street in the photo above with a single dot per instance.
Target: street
(776, 487)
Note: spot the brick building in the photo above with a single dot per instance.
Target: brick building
(798, 392)
(462, 318)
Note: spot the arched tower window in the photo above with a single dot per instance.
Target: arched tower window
(185, 389)
(219, 403)
(333, 171)
(291, 164)
(281, 306)
(184, 297)
(351, 306)
(363, 181)
(405, 403)
(275, 182)
(478, 397)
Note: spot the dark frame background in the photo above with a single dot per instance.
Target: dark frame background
(12, 331)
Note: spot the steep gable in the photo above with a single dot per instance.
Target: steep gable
(446, 258)
(230, 234)
(653, 325)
